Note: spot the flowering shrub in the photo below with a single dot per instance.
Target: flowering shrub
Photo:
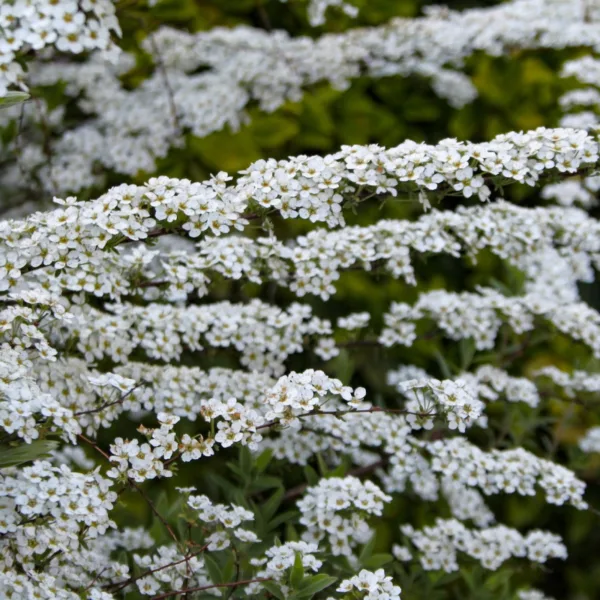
(362, 373)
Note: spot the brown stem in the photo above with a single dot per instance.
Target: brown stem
(95, 579)
(343, 413)
(152, 283)
(155, 511)
(109, 404)
(94, 446)
(208, 587)
(139, 489)
(264, 16)
(123, 584)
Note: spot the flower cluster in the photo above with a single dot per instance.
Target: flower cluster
(333, 509)
(479, 316)
(244, 64)
(452, 398)
(590, 442)
(530, 239)
(371, 586)
(487, 382)
(306, 188)
(139, 462)
(279, 560)
(507, 471)
(302, 393)
(168, 570)
(532, 594)
(537, 241)
(587, 71)
(439, 544)
(227, 517)
(46, 511)
(571, 383)
(68, 26)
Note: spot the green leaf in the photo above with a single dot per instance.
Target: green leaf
(236, 469)
(282, 518)
(498, 580)
(297, 572)
(12, 98)
(272, 131)
(264, 483)
(239, 498)
(367, 551)
(225, 151)
(323, 468)
(228, 569)
(269, 508)
(291, 535)
(343, 366)
(245, 461)
(339, 471)
(314, 584)
(222, 482)
(263, 460)
(213, 568)
(443, 364)
(377, 560)
(274, 589)
(312, 477)
(446, 578)
(162, 502)
(17, 455)
(420, 108)
(467, 351)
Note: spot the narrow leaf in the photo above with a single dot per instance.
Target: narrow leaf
(269, 508)
(313, 585)
(12, 98)
(13, 456)
(274, 589)
(297, 572)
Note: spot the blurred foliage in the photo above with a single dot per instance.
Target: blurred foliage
(515, 92)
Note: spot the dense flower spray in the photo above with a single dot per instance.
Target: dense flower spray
(110, 302)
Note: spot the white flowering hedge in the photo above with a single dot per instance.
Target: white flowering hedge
(193, 402)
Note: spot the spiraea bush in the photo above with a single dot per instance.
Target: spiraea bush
(298, 300)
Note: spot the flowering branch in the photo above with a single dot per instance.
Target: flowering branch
(212, 586)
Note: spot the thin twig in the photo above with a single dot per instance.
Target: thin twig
(94, 446)
(263, 15)
(208, 587)
(187, 562)
(139, 489)
(155, 511)
(343, 413)
(124, 584)
(109, 404)
(237, 571)
(94, 580)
